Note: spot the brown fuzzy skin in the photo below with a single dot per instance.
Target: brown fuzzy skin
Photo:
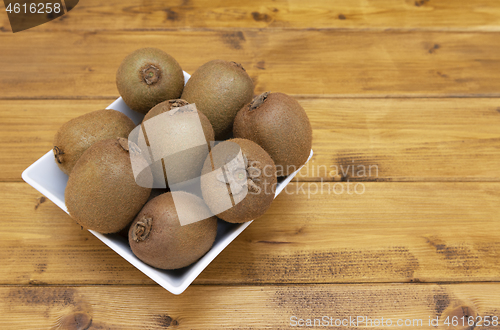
(219, 89)
(101, 193)
(180, 133)
(164, 107)
(78, 134)
(133, 88)
(280, 126)
(253, 204)
(168, 244)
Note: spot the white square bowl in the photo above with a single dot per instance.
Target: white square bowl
(45, 176)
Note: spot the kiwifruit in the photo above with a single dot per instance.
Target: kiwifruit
(78, 134)
(164, 107)
(157, 237)
(279, 124)
(245, 188)
(178, 131)
(154, 193)
(147, 77)
(102, 193)
(219, 89)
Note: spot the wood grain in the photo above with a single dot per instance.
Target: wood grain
(393, 232)
(461, 15)
(242, 307)
(404, 140)
(302, 62)
(406, 89)
(353, 139)
(27, 130)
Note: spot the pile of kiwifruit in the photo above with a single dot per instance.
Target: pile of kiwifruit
(102, 194)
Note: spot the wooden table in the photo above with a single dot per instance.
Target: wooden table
(407, 88)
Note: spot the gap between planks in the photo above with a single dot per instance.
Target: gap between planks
(260, 284)
(494, 29)
(296, 96)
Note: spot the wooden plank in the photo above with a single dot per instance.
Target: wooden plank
(27, 130)
(393, 232)
(404, 140)
(481, 15)
(247, 307)
(302, 62)
(380, 139)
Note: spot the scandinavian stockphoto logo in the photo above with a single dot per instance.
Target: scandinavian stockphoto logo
(24, 15)
(159, 163)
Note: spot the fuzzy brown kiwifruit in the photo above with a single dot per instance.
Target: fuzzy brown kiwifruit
(245, 188)
(102, 193)
(279, 124)
(147, 77)
(164, 107)
(157, 237)
(78, 134)
(154, 193)
(219, 89)
(184, 130)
